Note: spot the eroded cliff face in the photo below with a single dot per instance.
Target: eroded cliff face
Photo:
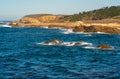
(45, 20)
(37, 19)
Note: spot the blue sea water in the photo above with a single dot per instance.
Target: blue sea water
(22, 57)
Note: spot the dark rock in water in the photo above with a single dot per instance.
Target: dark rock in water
(95, 28)
(102, 29)
(104, 46)
(55, 41)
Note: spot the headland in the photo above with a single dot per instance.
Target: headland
(101, 20)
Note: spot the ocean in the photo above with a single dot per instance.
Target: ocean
(24, 56)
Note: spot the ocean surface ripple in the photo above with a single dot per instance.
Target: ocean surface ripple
(23, 57)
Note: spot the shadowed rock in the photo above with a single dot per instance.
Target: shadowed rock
(55, 41)
(104, 46)
(78, 29)
(94, 28)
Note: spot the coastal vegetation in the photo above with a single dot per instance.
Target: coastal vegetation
(99, 14)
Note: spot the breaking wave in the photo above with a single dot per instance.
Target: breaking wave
(67, 31)
(82, 43)
(5, 26)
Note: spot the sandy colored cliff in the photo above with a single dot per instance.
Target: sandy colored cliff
(53, 21)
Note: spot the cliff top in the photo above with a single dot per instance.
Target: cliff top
(39, 15)
(98, 14)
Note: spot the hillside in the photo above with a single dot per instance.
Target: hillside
(99, 14)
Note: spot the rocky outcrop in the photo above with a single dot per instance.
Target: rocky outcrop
(58, 42)
(104, 46)
(83, 44)
(94, 28)
(36, 20)
(54, 21)
(45, 20)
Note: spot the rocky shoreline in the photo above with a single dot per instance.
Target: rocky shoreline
(53, 21)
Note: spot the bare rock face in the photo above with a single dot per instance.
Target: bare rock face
(41, 18)
(26, 20)
(78, 29)
(36, 20)
(104, 46)
(45, 20)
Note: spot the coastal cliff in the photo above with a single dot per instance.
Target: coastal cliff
(102, 20)
(77, 26)
(45, 20)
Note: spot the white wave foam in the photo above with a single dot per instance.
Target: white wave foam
(56, 28)
(89, 47)
(85, 43)
(68, 43)
(5, 26)
(82, 33)
(68, 31)
(44, 27)
(101, 33)
(88, 35)
(42, 43)
(81, 43)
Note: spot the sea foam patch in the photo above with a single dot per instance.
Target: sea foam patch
(74, 43)
(89, 47)
(42, 43)
(68, 31)
(5, 26)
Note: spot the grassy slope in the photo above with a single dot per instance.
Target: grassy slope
(106, 14)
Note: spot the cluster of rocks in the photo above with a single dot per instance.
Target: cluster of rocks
(58, 42)
(94, 28)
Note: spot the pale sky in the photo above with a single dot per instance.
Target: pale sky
(14, 9)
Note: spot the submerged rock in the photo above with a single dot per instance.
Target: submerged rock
(104, 46)
(54, 41)
(82, 43)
